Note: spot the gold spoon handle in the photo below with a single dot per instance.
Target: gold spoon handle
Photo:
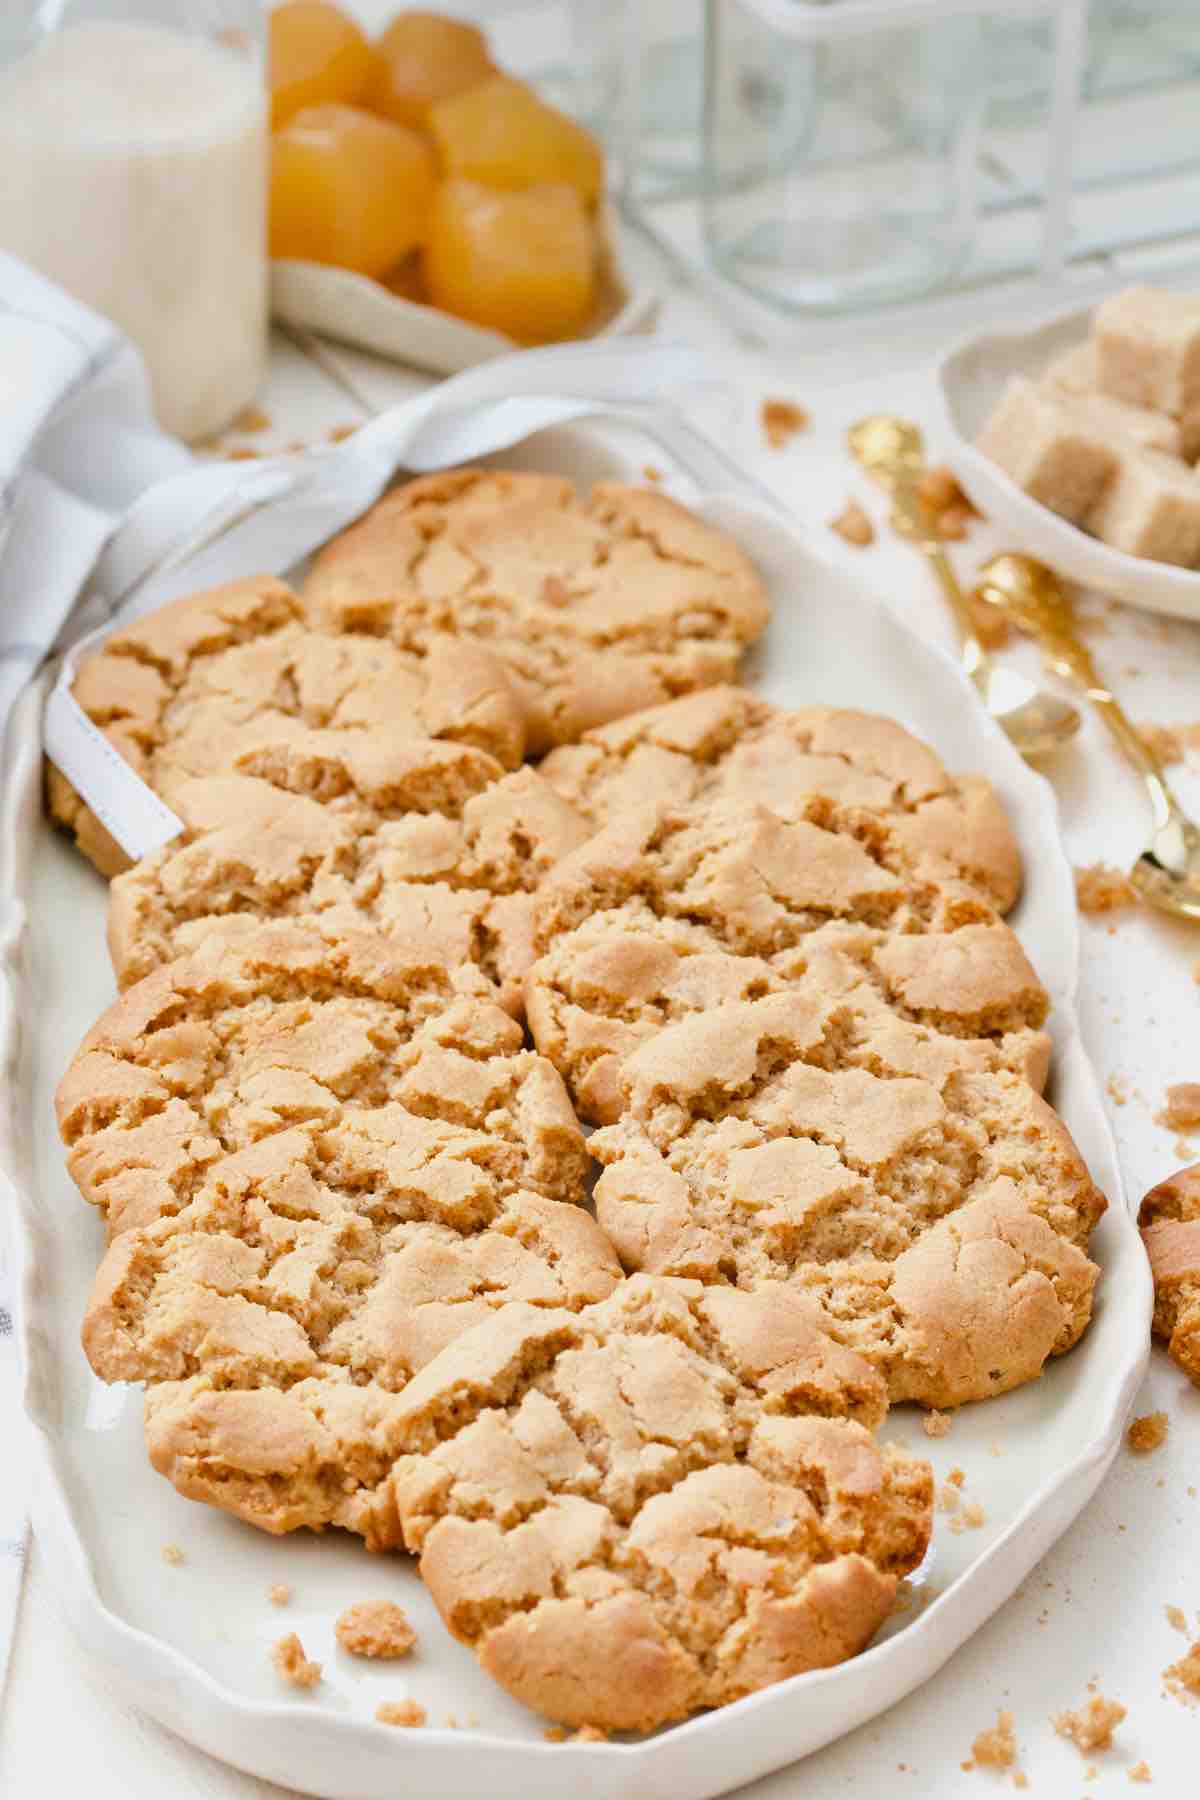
(1066, 655)
(908, 518)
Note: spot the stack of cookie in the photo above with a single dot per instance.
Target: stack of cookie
(351, 1257)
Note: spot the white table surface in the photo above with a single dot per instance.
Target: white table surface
(1094, 1609)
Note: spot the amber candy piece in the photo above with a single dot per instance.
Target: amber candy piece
(501, 134)
(315, 53)
(350, 189)
(423, 58)
(522, 262)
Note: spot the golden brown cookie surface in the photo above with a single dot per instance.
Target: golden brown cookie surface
(1170, 1220)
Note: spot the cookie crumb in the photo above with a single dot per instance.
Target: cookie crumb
(1099, 889)
(957, 1476)
(1148, 1433)
(252, 418)
(555, 1734)
(590, 1734)
(400, 1712)
(1161, 742)
(292, 1665)
(1020, 1779)
(939, 489)
(171, 1553)
(337, 434)
(853, 525)
(948, 1499)
(652, 472)
(1091, 1727)
(935, 1424)
(970, 1518)
(375, 1628)
(1177, 1618)
(781, 420)
(1182, 1109)
(1140, 1772)
(1183, 1677)
(1118, 1093)
(279, 1594)
(241, 453)
(997, 1748)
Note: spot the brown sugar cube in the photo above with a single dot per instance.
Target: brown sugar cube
(1169, 1217)
(1073, 371)
(376, 1628)
(1148, 349)
(292, 1665)
(1092, 1726)
(1136, 424)
(1058, 459)
(1150, 508)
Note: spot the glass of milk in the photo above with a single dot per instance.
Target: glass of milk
(133, 171)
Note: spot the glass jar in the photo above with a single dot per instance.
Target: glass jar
(876, 199)
(133, 141)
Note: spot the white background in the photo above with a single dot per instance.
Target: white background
(1094, 1609)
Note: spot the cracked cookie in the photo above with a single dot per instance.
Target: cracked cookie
(939, 1218)
(452, 879)
(660, 1503)
(963, 997)
(1169, 1217)
(597, 606)
(729, 745)
(186, 690)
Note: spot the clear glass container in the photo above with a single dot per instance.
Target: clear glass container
(133, 144)
(867, 193)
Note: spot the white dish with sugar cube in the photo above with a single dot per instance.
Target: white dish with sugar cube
(972, 377)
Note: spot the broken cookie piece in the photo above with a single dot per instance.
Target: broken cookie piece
(1169, 1217)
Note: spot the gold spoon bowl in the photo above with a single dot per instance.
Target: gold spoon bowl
(891, 451)
(1167, 873)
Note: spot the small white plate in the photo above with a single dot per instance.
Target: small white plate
(357, 311)
(971, 379)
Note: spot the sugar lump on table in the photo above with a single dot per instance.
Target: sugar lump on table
(1050, 452)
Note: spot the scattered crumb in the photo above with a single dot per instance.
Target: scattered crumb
(1183, 1149)
(938, 489)
(1183, 1677)
(252, 418)
(949, 1499)
(781, 420)
(555, 1734)
(171, 1553)
(1148, 1433)
(995, 1449)
(853, 524)
(1161, 742)
(935, 1424)
(1020, 1779)
(1099, 889)
(1091, 1727)
(997, 1748)
(451, 1721)
(957, 1476)
(992, 627)
(1177, 1618)
(590, 1734)
(1182, 1109)
(292, 1665)
(970, 1518)
(905, 1594)
(376, 1628)
(241, 453)
(338, 434)
(400, 1712)
(1140, 1772)
(472, 1721)
(651, 472)
(1091, 1772)
(1118, 1093)
(280, 1594)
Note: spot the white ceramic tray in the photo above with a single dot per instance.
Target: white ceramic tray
(971, 379)
(189, 1644)
(339, 304)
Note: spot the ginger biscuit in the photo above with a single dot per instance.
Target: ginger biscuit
(187, 690)
(596, 605)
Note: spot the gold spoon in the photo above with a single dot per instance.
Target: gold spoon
(891, 452)
(1167, 873)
